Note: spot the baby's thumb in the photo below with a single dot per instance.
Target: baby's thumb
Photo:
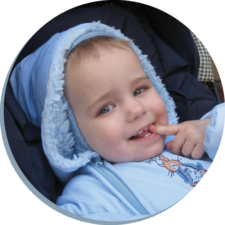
(169, 145)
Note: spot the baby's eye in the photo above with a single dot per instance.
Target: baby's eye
(138, 91)
(106, 109)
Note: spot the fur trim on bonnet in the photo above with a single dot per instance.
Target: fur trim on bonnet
(37, 83)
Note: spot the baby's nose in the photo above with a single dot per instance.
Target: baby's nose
(135, 110)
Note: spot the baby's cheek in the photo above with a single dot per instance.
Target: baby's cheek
(112, 139)
(162, 115)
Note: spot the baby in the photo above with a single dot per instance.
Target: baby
(108, 125)
(124, 119)
(119, 112)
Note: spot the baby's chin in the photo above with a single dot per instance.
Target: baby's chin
(151, 152)
(135, 153)
(151, 155)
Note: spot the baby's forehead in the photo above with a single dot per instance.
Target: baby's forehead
(112, 68)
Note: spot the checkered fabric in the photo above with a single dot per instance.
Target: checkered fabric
(205, 71)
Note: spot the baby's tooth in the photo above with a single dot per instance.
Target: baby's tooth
(140, 132)
(147, 134)
(146, 128)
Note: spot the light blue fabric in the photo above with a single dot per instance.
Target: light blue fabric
(37, 83)
(213, 137)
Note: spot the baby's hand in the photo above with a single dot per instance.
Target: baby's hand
(189, 137)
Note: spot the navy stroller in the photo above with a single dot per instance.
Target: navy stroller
(170, 47)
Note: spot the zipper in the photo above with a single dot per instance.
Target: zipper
(119, 186)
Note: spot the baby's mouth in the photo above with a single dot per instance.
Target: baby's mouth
(141, 134)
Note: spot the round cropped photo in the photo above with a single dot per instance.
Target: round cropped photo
(113, 112)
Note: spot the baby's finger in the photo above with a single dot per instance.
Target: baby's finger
(176, 144)
(171, 129)
(188, 147)
(175, 151)
(198, 151)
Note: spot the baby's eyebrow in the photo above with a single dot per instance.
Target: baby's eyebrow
(102, 97)
(139, 79)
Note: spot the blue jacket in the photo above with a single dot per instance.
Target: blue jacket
(37, 84)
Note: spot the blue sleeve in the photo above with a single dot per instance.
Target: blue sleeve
(214, 130)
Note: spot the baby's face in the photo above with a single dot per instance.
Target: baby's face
(114, 103)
